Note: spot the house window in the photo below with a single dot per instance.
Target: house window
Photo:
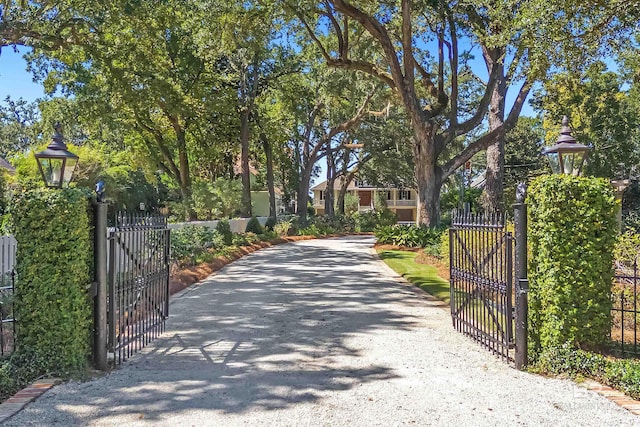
(405, 195)
(321, 195)
(388, 195)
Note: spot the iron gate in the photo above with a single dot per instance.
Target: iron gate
(138, 299)
(481, 268)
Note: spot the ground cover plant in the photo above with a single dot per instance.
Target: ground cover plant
(621, 374)
(428, 238)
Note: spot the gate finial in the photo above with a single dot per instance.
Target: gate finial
(521, 192)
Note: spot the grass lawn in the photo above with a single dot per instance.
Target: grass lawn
(422, 275)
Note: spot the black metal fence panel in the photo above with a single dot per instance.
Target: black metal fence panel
(481, 269)
(138, 297)
(7, 286)
(625, 308)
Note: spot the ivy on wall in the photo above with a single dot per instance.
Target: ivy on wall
(53, 268)
(572, 232)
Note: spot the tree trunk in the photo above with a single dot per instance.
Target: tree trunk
(348, 177)
(268, 152)
(492, 199)
(340, 199)
(329, 192)
(244, 162)
(185, 177)
(428, 177)
(303, 195)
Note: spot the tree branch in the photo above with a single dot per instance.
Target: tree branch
(489, 138)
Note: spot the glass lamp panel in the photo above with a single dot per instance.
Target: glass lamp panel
(69, 169)
(578, 162)
(567, 163)
(52, 171)
(554, 162)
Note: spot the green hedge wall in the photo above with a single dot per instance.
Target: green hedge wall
(53, 268)
(572, 232)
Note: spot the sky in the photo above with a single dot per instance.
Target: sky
(15, 81)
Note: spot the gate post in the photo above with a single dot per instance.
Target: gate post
(522, 283)
(100, 307)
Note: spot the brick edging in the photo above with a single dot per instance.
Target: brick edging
(15, 403)
(616, 396)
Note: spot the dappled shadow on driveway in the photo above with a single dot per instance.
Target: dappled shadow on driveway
(268, 331)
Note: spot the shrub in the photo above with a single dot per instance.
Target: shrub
(411, 236)
(253, 226)
(224, 229)
(572, 229)
(245, 239)
(627, 248)
(311, 211)
(282, 228)
(8, 380)
(53, 266)
(271, 222)
(268, 235)
(365, 221)
(351, 203)
(631, 207)
(337, 223)
(368, 221)
(192, 244)
(380, 200)
(631, 221)
(311, 230)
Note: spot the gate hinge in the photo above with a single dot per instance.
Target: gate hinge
(523, 286)
(93, 289)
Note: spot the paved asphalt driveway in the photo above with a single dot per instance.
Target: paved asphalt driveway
(315, 333)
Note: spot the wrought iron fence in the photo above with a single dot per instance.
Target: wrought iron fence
(7, 287)
(481, 268)
(625, 309)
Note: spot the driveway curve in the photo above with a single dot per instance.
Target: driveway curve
(315, 333)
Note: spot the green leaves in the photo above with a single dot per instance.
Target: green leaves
(572, 232)
(410, 236)
(53, 268)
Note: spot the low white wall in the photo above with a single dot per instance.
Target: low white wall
(238, 225)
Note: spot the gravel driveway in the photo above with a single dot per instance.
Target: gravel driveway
(316, 333)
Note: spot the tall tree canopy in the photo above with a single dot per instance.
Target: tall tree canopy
(422, 50)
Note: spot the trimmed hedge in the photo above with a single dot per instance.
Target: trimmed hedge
(53, 267)
(572, 232)
(253, 226)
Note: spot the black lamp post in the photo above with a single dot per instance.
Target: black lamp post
(566, 156)
(56, 163)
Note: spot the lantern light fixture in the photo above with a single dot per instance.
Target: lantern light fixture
(57, 165)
